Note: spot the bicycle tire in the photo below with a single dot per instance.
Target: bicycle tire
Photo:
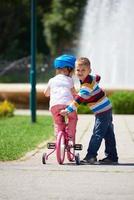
(44, 158)
(71, 153)
(77, 159)
(60, 147)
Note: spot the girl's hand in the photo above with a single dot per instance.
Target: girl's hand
(63, 112)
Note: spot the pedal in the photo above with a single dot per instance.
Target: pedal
(78, 147)
(51, 145)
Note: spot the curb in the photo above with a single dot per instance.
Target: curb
(32, 153)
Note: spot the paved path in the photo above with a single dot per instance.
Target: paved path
(29, 179)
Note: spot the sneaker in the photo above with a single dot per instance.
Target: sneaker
(108, 161)
(91, 161)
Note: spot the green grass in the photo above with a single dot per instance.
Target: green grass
(19, 136)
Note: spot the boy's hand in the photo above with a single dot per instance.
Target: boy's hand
(63, 112)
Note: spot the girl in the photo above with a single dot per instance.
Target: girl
(61, 90)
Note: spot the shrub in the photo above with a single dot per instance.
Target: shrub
(123, 102)
(84, 109)
(6, 109)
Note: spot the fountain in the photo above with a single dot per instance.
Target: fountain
(107, 39)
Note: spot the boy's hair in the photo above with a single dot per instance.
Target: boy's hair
(83, 61)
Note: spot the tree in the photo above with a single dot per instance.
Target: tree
(58, 19)
(61, 23)
(14, 23)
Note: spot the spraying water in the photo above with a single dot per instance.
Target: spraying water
(107, 39)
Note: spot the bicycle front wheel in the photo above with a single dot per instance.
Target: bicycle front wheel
(60, 147)
(70, 151)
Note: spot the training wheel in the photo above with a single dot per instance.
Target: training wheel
(77, 159)
(44, 158)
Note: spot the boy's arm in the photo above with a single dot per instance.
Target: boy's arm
(82, 95)
(70, 108)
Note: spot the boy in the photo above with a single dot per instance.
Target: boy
(96, 99)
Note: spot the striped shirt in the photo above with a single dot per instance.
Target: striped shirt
(91, 94)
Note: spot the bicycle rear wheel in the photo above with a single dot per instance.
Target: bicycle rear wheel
(60, 147)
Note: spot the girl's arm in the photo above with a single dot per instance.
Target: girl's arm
(47, 92)
(73, 91)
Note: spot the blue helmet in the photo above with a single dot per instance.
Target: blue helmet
(64, 61)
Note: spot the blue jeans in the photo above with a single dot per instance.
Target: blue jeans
(103, 129)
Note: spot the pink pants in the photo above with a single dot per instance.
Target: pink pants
(59, 121)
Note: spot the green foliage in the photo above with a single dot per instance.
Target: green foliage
(123, 102)
(58, 19)
(14, 29)
(15, 23)
(6, 109)
(18, 135)
(61, 24)
(84, 109)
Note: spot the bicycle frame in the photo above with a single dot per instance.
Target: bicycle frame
(61, 146)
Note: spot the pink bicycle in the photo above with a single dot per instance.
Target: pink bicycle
(63, 146)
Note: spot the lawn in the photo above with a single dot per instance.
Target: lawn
(19, 136)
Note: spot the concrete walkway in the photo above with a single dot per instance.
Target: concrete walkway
(29, 179)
